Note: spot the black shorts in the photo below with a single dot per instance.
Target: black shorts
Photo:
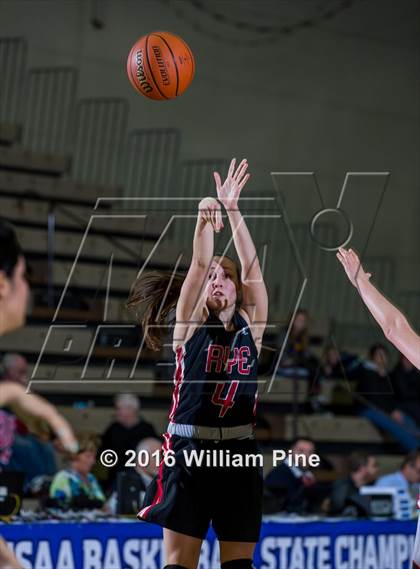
(187, 499)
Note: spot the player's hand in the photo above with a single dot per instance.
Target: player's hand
(228, 193)
(67, 439)
(211, 212)
(352, 266)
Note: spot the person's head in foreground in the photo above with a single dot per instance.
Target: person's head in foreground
(410, 467)
(14, 289)
(127, 408)
(14, 367)
(222, 289)
(363, 468)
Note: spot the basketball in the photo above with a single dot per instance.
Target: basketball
(160, 66)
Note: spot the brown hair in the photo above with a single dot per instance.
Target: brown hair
(357, 459)
(85, 441)
(154, 294)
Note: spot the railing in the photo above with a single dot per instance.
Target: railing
(49, 102)
(194, 180)
(150, 162)
(12, 73)
(97, 141)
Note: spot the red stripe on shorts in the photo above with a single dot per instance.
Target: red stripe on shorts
(159, 492)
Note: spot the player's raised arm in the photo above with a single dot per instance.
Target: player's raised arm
(192, 300)
(14, 394)
(255, 300)
(392, 321)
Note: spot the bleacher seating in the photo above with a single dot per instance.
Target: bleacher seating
(72, 182)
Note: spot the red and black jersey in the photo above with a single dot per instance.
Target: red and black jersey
(216, 376)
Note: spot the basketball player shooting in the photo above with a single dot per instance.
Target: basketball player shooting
(221, 314)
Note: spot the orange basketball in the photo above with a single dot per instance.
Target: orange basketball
(160, 66)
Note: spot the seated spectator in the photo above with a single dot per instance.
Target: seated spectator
(297, 358)
(140, 475)
(375, 399)
(345, 499)
(337, 364)
(14, 367)
(289, 488)
(125, 432)
(76, 487)
(406, 478)
(405, 379)
(30, 453)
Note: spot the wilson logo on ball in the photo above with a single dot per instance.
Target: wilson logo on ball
(160, 66)
(141, 76)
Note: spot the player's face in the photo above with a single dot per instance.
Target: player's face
(14, 296)
(221, 289)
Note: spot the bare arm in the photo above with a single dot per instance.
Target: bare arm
(255, 300)
(14, 394)
(392, 321)
(189, 309)
(7, 559)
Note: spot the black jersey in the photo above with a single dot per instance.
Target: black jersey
(216, 376)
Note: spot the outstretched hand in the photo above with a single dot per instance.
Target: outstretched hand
(352, 266)
(228, 193)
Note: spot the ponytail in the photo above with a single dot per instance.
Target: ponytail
(146, 296)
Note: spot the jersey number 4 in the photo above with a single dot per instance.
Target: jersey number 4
(225, 402)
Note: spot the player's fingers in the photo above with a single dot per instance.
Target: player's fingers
(240, 170)
(219, 222)
(218, 180)
(244, 181)
(213, 218)
(232, 167)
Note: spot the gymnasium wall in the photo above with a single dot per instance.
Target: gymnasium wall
(342, 95)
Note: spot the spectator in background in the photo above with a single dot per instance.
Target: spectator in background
(345, 499)
(289, 488)
(14, 367)
(76, 487)
(405, 379)
(147, 450)
(375, 399)
(337, 364)
(297, 358)
(125, 432)
(407, 478)
(29, 453)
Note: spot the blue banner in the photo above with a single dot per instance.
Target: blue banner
(283, 545)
